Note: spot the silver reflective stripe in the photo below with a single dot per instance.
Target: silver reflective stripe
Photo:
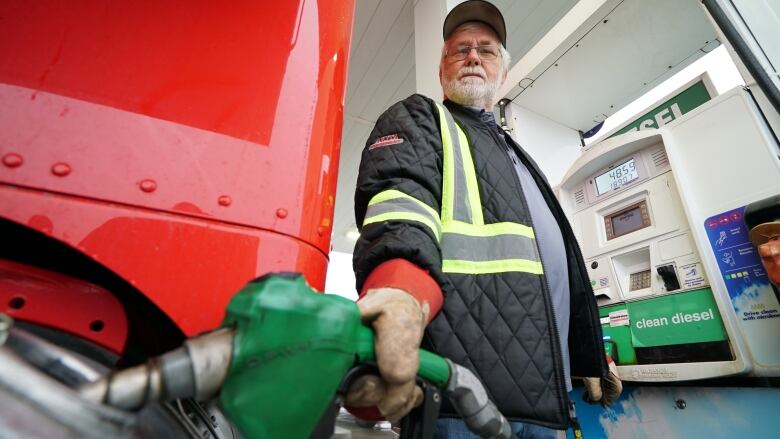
(394, 205)
(468, 245)
(461, 210)
(399, 209)
(488, 248)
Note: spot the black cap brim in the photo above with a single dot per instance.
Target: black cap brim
(475, 10)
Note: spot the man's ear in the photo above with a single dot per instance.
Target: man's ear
(441, 81)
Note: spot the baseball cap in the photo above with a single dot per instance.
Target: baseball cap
(475, 10)
(762, 219)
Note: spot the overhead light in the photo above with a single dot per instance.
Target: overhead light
(353, 234)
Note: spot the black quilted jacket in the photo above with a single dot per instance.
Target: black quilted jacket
(500, 326)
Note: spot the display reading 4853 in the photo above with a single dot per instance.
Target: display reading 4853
(617, 177)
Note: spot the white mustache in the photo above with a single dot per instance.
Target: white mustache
(475, 70)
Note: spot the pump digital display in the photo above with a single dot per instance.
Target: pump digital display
(627, 220)
(616, 177)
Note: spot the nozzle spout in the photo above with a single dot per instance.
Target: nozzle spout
(196, 369)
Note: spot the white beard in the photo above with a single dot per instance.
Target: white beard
(469, 91)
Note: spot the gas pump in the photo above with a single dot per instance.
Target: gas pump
(659, 217)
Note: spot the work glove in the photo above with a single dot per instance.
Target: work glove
(398, 320)
(604, 391)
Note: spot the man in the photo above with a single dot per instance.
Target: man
(762, 219)
(461, 232)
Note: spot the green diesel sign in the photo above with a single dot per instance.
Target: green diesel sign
(670, 110)
(689, 317)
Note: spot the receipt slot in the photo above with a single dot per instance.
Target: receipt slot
(648, 209)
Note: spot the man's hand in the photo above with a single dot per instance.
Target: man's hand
(398, 321)
(605, 392)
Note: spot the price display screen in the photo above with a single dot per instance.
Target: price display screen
(616, 177)
(627, 221)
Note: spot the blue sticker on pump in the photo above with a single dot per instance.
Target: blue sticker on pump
(740, 266)
(737, 258)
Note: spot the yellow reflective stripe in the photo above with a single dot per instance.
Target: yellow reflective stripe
(471, 178)
(491, 267)
(456, 152)
(392, 194)
(487, 230)
(403, 216)
(448, 173)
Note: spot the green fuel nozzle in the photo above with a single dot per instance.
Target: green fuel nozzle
(292, 348)
(278, 365)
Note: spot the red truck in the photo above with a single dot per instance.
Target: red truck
(157, 155)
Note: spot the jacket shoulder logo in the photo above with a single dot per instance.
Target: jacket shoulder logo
(391, 139)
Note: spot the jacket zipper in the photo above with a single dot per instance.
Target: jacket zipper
(588, 301)
(557, 359)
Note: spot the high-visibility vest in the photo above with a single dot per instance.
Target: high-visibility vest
(468, 245)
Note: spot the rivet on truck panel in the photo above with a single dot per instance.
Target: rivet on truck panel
(60, 169)
(148, 185)
(12, 160)
(224, 200)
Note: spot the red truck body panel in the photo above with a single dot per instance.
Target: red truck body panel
(186, 146)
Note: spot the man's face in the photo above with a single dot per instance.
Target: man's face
(770, 257)
(472, 81)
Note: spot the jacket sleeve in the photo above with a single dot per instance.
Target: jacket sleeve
(397, 199)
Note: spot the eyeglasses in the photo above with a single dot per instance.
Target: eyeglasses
(486, 53)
